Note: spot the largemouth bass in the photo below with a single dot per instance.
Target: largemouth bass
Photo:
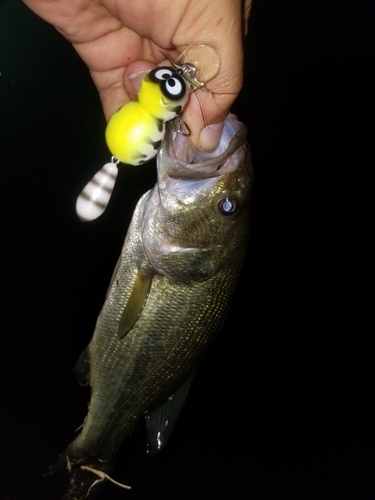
(169, 296)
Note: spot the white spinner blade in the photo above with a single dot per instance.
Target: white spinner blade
(95, 196)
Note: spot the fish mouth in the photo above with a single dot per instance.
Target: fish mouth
(187, 162)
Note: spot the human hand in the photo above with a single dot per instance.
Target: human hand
(121, 39)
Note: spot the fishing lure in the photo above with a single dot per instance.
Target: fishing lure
(135, 132)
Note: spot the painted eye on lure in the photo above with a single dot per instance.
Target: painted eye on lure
(135, 132)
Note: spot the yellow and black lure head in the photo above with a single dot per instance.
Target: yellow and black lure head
(164, 93)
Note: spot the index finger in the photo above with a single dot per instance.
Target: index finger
(220, 26)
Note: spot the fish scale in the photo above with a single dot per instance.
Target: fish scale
(135, 356)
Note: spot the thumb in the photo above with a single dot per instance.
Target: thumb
(207, 110)
(133, 76)
(208, 107)
(205, 116)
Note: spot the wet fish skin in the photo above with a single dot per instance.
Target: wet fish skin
(169, 296)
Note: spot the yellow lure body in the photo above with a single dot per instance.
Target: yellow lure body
(132, 135)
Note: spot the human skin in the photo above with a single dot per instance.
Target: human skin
(118, 39)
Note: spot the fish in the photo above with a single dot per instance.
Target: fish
(168, 298)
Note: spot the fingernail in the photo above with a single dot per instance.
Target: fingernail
(210, 137)
(135, 79)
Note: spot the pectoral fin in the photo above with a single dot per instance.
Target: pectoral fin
(135, 303)
(160, 423)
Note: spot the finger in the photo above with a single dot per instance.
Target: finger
(221, 28)
(206, 111)
(121, 85)
(205, 115)
(133, 76)
(111, 89)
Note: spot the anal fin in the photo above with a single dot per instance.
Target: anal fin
(160, 422)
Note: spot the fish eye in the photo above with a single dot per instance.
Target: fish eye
(162, 74)
(227, 206)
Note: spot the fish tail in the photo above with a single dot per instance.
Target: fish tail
(74, 478)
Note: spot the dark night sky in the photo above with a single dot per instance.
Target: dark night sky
(282, 407)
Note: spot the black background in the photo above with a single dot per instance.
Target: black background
(283, 404)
